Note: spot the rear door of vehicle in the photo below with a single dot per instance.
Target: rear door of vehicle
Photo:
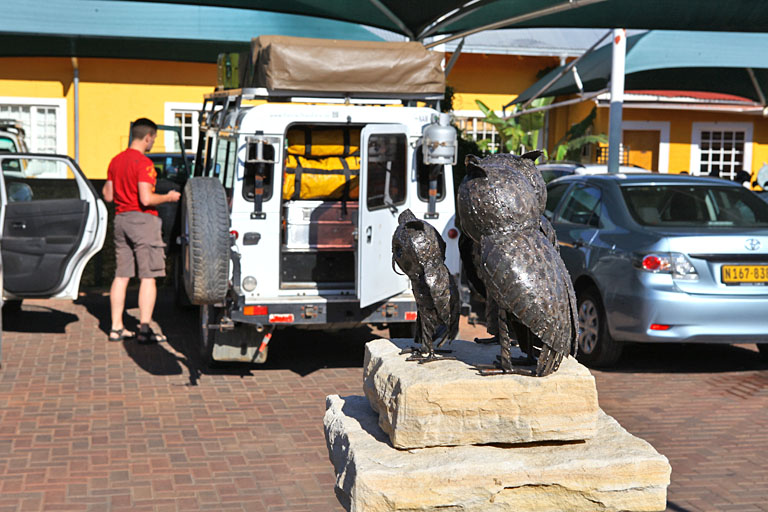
(383, 196)
(52, 222)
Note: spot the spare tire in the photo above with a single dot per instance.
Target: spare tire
(205, 241)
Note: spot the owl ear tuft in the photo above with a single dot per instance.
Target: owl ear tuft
(532, 155)
(473, 168)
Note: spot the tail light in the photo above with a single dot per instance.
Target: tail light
(674, 263)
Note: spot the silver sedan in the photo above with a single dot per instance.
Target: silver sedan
(662, 258)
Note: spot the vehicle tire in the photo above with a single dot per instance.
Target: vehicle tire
(205, 241)
(402, 330)
(207, 337)
(763, 348)
(596, 346)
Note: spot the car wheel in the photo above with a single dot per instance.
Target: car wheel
(596, 346)
(205, 251)
(763, 348)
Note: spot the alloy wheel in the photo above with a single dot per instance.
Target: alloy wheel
(589, 326)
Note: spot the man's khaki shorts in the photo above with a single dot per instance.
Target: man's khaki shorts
(139, 243)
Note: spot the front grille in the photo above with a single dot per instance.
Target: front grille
(735, 258)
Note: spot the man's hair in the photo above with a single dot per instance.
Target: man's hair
(142, 127)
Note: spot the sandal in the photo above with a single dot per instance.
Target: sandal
(120, 334)
(149, 336)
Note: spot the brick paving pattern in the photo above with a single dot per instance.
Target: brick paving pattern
(90, 425)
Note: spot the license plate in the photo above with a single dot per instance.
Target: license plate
(737, 274)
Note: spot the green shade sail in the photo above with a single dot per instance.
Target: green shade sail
(673, 60)
(432, 17)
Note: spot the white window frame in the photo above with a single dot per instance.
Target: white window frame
(60, 104)
(171, 107)
(696, 130)
(660, 126)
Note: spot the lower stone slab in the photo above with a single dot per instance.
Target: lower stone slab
(448, 403)
(613, 471)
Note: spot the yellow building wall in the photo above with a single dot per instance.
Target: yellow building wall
(113, 92)
(493, 79)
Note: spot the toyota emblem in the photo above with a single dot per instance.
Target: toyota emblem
(752, 244)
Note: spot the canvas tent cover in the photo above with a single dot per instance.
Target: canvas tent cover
(296, 64)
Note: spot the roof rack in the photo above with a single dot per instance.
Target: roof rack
(228, 100)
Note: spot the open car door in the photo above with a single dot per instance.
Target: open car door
(52, 223)
(383, 187)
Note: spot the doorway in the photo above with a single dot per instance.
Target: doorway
(642, 147)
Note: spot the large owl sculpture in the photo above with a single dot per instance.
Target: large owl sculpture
(514, 253)
(419, 250)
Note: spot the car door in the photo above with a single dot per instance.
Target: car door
(52, 223)
(576, 222)
(383, 194)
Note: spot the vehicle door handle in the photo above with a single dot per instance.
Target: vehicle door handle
(368, 234)
(19, 225)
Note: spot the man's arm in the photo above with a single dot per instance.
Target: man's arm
(148, 198)
(108, 191)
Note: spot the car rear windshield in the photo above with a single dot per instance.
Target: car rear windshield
(695, 205)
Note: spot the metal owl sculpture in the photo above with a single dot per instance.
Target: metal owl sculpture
(512, 249)
(419, 250)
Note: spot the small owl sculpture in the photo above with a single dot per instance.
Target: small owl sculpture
(419, 251)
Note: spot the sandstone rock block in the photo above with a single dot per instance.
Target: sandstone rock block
(447, 403)
(612, 471)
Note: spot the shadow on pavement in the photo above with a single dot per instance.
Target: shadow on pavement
(40, 319)
(687, 358)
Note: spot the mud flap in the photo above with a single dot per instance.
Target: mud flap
(245, 343)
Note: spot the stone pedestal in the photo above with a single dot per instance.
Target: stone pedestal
(612, 471)
(438, 436)
(445, 403)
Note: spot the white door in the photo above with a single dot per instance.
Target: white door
(383, 196)
(53, 222)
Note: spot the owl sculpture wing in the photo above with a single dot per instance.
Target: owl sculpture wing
(526, 277)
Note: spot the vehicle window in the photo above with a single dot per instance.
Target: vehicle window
(582, 207)
(226, 157)
(253, 169)
(695, 205)
(28, 179)
(552, 174)
(422, 175)
(554, 194)
(7, 145)
(387, 157)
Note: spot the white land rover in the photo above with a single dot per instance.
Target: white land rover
(289, 218)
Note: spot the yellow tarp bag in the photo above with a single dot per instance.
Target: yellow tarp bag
(324, 141)
(330, 178)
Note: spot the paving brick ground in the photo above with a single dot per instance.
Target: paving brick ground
(90, 425)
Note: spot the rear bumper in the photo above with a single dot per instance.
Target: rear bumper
(325, 310)
(694, 318)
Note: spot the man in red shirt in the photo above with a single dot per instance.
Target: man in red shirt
(131, 180)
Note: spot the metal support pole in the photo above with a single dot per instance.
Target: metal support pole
(76, 86)
(617, 98)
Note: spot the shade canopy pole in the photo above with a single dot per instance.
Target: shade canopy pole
(617, 98)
